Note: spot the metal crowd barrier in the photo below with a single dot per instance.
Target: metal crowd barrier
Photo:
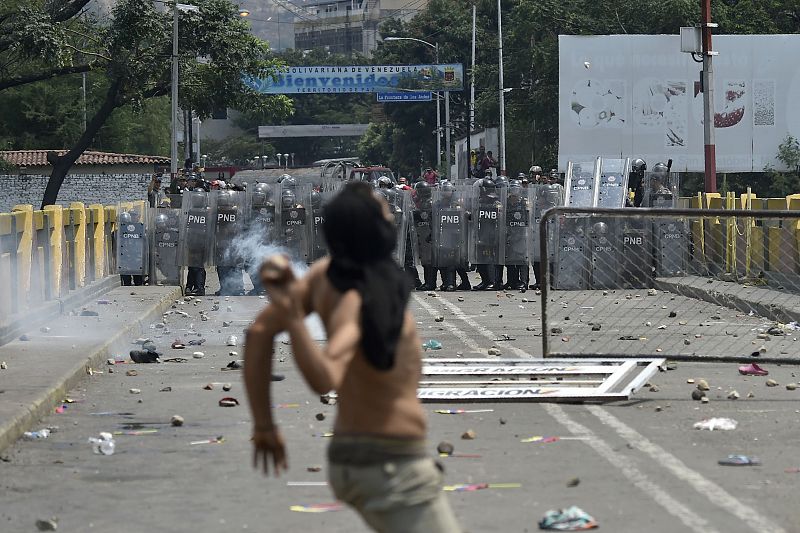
(44, 255)
(687, 284)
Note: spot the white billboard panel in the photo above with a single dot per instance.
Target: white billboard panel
(639, 96)
(313, 130)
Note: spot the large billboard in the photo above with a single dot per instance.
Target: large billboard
(312, 130)
(639, 96)
(362, 79)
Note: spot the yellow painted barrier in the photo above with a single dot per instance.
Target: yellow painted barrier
(24, 214)
(55, 224)
(97, 231)
(78, 244)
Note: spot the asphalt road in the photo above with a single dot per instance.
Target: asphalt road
(640, 465)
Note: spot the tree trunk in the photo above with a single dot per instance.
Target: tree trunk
(61, 165)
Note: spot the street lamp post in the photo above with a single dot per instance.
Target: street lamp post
(438, 107)
(174, 140)
(502, 150)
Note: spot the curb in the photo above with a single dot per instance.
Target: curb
(48, 310)
(44, 404)
(758, 300)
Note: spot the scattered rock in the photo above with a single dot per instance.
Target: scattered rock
(556, 331)
(690, 381)
(574, 482)
(530, 328)
(733, 395)
(87, 312)
(320, 416)
(698, 395)
(208, 386)
(751, 395)
(503, 421)
(176, 420)
(111, 362)
(493, 351)
(314, 469)
(654, 388)
(704, 399)
(166, 389)
(226, 387)
(687, 342)
(44, 329)
(226, 323)
(47, 524)
(596, 327)
(791, 386)
(3, 365)
(24, 338)
(702, 385)
(659, 408)
(673, 314)
(329, 398)
(439, 318)
(233, 353)
(771, 383)
(131, 373)
(135, 391)
(652, 292)
(445, 447)
(198, 355)
(469, 435)
(460, 298)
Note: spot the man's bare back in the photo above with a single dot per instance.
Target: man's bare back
(371, 401)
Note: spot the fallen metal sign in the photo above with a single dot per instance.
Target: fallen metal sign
(543, 381)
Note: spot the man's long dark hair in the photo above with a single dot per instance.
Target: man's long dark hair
(361, 241)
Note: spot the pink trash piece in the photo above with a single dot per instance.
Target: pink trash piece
(752, 370)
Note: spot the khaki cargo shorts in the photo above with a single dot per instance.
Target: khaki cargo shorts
(396, 496)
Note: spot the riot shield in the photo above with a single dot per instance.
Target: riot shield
(166, 226)
(518, 203)
(295, 223)
(261, 214)
(319, 248)
(401, 204)
(613, 188)
(572, 257)
(195, 235)
(661, 190)
(544, 197)
(422, 233)
(605, 243)
(581, 184)
(132, 247)
(228, 212)
(449, 230)
(636, 270)
(487, 228)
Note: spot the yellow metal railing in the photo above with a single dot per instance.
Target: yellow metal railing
(45, 254)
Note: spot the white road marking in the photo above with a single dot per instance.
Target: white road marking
(460, 335)
(709, 489)
(680, 511)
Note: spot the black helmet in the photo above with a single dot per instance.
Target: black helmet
(423, 189)
(287, 182)
(660, 171)
(162, 221)
(501, 181)
(316, 199)
(638, 165)
(287, 198)
(521, 176)
(225, 199)
(125, 218)
(384, 182)
(515, 188)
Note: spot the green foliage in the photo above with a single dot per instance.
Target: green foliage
(238, 150)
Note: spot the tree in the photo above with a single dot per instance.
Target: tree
(135, 45)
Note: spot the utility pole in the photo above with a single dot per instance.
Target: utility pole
(471, 96)
(174, 134)
(501, 159)
(447, 133)
(438, 123)
(708, 99)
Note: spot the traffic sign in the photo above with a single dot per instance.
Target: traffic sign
(404, 97)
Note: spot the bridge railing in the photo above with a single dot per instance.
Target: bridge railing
(47, 254)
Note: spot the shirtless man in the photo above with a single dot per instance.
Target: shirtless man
(378, 461)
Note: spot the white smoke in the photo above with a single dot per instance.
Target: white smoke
(250, 247)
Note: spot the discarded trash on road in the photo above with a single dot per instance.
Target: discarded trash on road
(711, 424)
(36, 435)
(432, 345)
(228, 401)
(740, 460)
(144, 356)
(317, 508)
(752, 370)
(218, 440)
(103, 444)
(461, 411)
(472, 487)
(570, 519)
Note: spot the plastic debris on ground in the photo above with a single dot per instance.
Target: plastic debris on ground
(103, 444)
(753, 369)
(712, 424)
(36, 435)
(432, 345)
(472, 487)
(570, 519)
(461, 411)
(740, 460)
(317, 508)
(218, 440)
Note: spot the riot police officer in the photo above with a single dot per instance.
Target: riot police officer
(450, 236)
(228, 227)
(486, 219)
(261, 221)
(423, 213)
(636, 180)
(517, 252)
(131, 245)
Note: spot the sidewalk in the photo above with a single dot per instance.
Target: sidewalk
(765, 301)
(42, 369)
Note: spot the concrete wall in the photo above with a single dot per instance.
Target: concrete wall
(86, 188)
